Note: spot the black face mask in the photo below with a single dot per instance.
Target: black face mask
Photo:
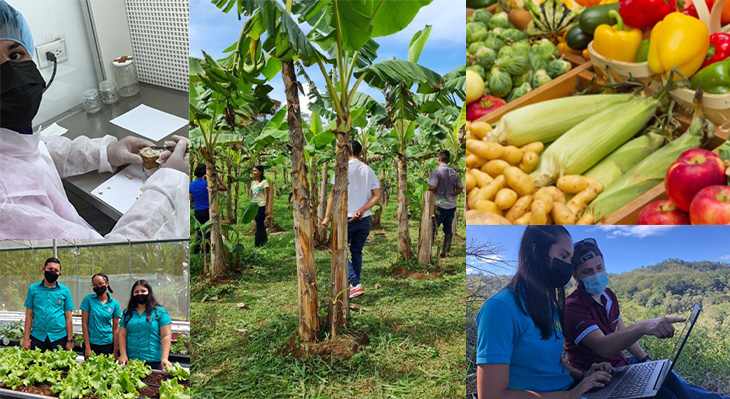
(51, 276)
(560, 273)
(140, 298)
(21, 91)
(100, 290)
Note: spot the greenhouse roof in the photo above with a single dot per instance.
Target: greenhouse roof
(15, 245)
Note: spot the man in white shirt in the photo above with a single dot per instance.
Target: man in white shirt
(363, 192)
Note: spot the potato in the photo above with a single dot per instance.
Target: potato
(524, 220)
(520, 208)
(495, 167)
(535, 147)
(487, 206)
(480, 129)
(472, 197)
(554, 192)
(538, 215)
(485, 149)
(572, 184)
(519, 181)
(490, 191)
(481, 178)
(505, 199)
(470, 182)
(582, 199)
(529, 161)
(474, 162)
(485, 218)
(595, 183)
(586, 219)
(563, 215)
(512, 155)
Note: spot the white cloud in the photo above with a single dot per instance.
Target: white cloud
(725, 257)
(634, 231)
(446, 18)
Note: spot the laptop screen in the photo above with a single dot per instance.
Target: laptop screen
(682, 339)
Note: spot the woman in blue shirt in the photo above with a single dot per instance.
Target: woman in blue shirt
(100, 315)
(199, 197)
(519, 333)
(145, 329)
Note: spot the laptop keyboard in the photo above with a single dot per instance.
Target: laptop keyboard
(634, 382)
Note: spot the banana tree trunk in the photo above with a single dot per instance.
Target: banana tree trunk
(339, 304)
(425, 235)
(217, 254)
(229, 200)
(322, 206)
(385, 192)
(270, 204)
(234, 191)
(306, 271)
(404, 237)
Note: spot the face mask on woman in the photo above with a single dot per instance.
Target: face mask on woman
(21, 92)
(100, 290)
(140, 298)
(560, 273)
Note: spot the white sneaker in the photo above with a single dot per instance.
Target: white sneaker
(356, 291)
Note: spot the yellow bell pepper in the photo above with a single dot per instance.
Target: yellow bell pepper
(607, 2)
(678, 40)
(618, 42)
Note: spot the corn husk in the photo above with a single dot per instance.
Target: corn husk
(653, 169)
(590, 141)
(548, 120)
(624, 158)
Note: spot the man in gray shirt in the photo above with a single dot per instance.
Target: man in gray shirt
(445, 183)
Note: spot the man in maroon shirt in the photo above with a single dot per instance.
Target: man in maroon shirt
(593, 328)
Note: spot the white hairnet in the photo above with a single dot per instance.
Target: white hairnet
(13, 27)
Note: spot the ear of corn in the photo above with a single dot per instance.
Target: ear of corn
(548, 120)
(591, 140)
(624, 158)
(649, 172)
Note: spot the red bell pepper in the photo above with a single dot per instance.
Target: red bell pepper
(645, 13)
(483, 106)
(719, 48)
(692, 10)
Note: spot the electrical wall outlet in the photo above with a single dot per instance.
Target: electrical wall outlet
(57, 47)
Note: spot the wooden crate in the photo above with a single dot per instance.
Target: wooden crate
(578, 79)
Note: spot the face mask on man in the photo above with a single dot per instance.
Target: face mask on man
(560, 273)
(596, 284)
(21, 92)
(50, 276)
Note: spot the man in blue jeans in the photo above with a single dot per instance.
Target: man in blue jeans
(445, 183)
(595, 332)
(363, 192)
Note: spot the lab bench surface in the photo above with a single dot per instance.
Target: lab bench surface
(97, 125)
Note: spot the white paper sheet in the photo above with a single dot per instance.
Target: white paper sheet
(53, 130)
(123, 189)
(149, 122)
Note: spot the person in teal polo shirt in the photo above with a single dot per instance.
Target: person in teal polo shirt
(100, 318)
(519, 332)
(146, 329)
(48, 307)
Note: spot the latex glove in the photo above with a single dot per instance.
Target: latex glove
(126, 151)
(178, 159)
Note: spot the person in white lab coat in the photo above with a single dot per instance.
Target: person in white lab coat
(33, 203)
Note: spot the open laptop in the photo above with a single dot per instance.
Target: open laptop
(644, 380)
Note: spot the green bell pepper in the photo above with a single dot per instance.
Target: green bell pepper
(715, 78)
(643, 54)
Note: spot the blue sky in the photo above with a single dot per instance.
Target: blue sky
(213, 31)
(626, 248)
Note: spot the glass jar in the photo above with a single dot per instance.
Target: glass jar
(125, 73)
(108, 92)
(91, 100)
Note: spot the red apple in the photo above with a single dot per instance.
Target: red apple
(662, 212)
(693, 171)
(711, 205)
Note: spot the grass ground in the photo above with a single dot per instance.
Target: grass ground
(415, 327)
